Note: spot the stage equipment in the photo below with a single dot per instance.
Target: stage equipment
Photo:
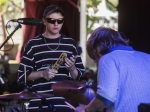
(25, 95)
(80, 92)
(28, 21)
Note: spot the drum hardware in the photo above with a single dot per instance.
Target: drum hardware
(26, 105)
(77, 91)
(45, 103)
(71, 106)
(80, 92)
(25, 96)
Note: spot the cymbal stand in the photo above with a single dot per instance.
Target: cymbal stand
(26, 105)
(88, 84)
(90, 91)
(26, 102)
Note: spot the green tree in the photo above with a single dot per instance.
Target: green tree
(3, 5)
(91, 19)
(111, 4)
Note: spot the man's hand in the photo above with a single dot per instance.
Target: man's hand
(70, 63)
(80, 109)
(49, 73)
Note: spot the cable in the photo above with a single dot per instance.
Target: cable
(11, 39)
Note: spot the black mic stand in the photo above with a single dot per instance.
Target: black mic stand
(18, 26)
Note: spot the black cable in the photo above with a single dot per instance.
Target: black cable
(11, 39)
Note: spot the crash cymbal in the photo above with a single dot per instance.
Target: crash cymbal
(25, 95)
(80, 92)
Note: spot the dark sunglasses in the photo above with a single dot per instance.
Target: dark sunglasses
(53, 21)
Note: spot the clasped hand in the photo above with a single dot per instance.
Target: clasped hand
(49, 73)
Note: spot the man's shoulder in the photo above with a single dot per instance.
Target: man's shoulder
(34, 40)
(67, 38)
(39, 37)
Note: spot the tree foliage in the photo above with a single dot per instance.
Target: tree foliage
(111, 4)
(11, 8)
(90, 19)
(3, 4)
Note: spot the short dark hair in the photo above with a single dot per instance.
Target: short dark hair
(103, 38)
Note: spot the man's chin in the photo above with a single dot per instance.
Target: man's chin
(55, 33)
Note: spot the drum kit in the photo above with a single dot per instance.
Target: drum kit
(77, 91)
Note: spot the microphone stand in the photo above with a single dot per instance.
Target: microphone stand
(18, 26)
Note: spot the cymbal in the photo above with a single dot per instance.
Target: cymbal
(80, 92)
(25, 95)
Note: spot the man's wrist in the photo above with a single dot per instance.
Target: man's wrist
(72, 69)
(85, 109)
(42, 74)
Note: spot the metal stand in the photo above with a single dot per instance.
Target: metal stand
(18, 26)
(26, 89)
(26, 104)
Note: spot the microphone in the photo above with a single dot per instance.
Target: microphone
(28, 21)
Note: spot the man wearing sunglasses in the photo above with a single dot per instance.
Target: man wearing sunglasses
(41, 53)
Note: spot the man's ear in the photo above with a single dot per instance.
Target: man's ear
(43, 19)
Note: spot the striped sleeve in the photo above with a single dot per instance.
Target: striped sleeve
(27, 63)
(78, 63)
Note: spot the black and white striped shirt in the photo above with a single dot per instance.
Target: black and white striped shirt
(37, 56)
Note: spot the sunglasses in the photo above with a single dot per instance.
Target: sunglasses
(53, 21)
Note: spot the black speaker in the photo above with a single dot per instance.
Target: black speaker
(144, 107)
